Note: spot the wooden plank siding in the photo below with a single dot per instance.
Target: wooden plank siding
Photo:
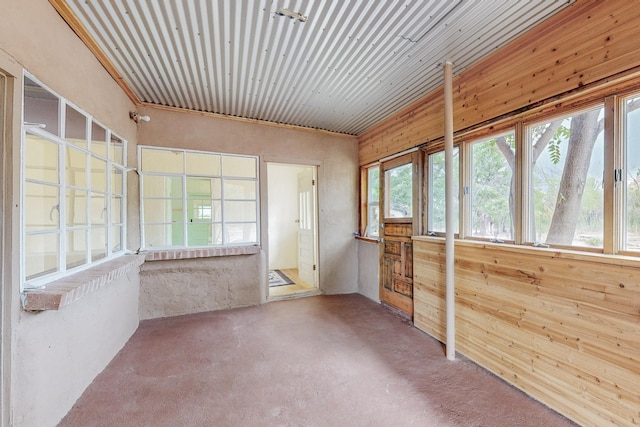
(586, 46)
(562, 326)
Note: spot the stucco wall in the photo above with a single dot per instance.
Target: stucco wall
(368, 266)
(178, 287)
(49, 358)
(59, 353)
(198, 287)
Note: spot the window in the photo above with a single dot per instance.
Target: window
(73, 188)
(631, 184)
(436, 208)
(373, 201)
(567, 169)
(193, 198)
(399, 192)
(492, 187)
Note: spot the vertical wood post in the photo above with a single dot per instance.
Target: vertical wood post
(450, 223)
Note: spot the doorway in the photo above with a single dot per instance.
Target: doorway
(292, 230)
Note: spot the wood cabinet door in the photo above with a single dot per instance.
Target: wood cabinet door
(399, 211)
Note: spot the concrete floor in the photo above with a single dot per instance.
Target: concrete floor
(319, 361)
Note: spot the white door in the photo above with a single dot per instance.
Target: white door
(307, 265)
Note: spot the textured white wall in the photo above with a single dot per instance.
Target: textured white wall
(368, 267)
(51, 357)
(199, 289)
(58, 353)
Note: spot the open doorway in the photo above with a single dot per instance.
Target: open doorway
(292, 230)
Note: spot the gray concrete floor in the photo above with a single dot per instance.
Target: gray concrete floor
(319, 361)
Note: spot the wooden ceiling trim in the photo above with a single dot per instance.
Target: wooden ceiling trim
(72, 20)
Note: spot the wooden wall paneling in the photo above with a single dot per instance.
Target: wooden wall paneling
(585, 43)
(563, 327)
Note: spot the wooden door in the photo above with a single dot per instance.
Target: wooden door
(307, 265)
(400, 207)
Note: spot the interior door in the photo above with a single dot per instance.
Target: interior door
(399, 206)
(307, 266)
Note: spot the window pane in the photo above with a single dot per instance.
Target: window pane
(76, 248)
(164, 161)
(203, 164)
(98, 243)
(162, 210)
(41, 159)
(160, 235)
(437, 203)
(240, 233)
(76, 168)
(117, 181)
(98, 209)
(41, 207)
(632, 170)
(98, 175)
(41, 254)
(373, 200)
(116, 210)
(199, 234)
(162, 186)
(239, 189)
(235, 166)
(208, 188)
(399, 203)
(116, 236)
(117, 150)
(492, 183)
(76, 127)
(40, 106)
(567, 156)
(98, 140)
(76, 208)
(239, 211)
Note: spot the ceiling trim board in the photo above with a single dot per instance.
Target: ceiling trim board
(74, 23)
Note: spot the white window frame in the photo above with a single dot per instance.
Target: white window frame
(63, 228)
(183, 176)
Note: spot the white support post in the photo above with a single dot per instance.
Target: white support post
(450, 223)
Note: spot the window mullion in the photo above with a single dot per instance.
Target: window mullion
(465, 197)
(62, 190)
(611, 224)
(522, 218)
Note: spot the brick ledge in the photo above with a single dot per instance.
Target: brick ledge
(63, 292)
(173, 254)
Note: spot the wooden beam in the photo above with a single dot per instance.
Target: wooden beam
(72, 20)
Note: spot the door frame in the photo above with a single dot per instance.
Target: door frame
(264, 209)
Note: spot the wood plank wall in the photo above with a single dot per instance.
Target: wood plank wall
(582, 46)
(562, 326)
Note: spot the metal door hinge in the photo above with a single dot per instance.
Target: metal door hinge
(314, 267)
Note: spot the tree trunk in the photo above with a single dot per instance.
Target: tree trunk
(584, 131)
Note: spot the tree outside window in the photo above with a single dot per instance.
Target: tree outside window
(492, 187)
(567, 164)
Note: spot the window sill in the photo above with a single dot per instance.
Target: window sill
(62, 292)
(175, 254)
(368, 239)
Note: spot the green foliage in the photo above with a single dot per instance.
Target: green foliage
(490, 189)
(562, 134)
(400, 181)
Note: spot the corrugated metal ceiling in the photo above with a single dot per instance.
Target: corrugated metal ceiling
(348, 67)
